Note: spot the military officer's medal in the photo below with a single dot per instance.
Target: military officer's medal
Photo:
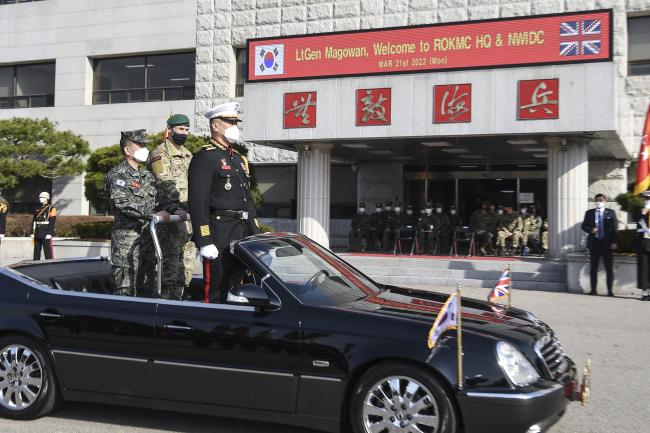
(228, 185)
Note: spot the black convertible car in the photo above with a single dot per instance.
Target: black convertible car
(305, 339)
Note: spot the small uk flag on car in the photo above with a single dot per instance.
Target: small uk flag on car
(578, 38)
(269, 60)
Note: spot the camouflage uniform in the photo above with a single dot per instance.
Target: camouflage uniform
(509, 224)
(534, 233)
(544, 237)
(133, 195)
(169, 166)
(521, 236)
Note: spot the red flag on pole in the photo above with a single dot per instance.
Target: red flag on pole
(643, 169)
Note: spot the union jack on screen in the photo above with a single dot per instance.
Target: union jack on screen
(580, 37)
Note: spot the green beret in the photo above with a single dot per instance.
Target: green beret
(178, 119)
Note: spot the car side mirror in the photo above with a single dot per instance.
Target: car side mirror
(250, 294)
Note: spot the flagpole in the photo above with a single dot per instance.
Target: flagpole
(510, 288)
(459, 337)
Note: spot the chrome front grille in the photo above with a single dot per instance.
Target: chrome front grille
(555, 362)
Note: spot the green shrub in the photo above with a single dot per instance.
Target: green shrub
(94, 230)
(265, 229)
(625, 241)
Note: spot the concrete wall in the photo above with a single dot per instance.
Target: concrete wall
(578, 280)
(72, 33)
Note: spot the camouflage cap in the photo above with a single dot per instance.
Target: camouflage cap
(138, 136)
(178, 120)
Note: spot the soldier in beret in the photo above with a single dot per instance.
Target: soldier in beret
(134, 197)
(169, 163)
(220, 199)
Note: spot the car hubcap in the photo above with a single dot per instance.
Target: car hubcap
(21, 377)
(400, 404)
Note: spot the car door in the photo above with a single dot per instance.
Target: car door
(228, 355)
(100, 343)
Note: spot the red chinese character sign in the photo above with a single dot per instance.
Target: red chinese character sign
(452, 103)
(538, 99)
(373, 106)
(300, 110)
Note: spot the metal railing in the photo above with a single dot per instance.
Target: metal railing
(151, 94)
(156, 245)
(27, 101)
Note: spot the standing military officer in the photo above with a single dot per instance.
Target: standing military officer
(169, 163)
(387, 238)
(425, 230)
(358, 238)
(220, 199)
(43, 227)
(133, 196)
(455, 221)
(441, 227)
(642, 246)
(375, 228)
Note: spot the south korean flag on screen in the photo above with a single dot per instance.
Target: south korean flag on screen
(269, 60)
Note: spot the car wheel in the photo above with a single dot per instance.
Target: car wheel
(27, 386)
(394, 398)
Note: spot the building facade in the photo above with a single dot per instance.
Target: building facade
(314, 177)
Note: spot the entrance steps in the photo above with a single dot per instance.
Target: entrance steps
(526, 273)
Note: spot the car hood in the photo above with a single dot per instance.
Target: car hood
(479, 316)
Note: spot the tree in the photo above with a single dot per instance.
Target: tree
(34, 147)
(105, 158)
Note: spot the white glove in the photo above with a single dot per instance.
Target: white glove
(2, 236)
(647, 205)
(31, 236)
(48, 236)
(209, 252)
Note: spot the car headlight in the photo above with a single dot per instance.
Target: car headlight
(515, 365)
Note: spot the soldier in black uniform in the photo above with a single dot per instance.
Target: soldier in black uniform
(220, 199)
(358, 238)
(43, 227)
(375, 229)
(387, 239)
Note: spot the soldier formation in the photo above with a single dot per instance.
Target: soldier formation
(432, 230)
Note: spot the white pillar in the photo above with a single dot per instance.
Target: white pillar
(568, 185)
(314, 192)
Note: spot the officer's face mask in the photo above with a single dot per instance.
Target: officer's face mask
(600, 204)
(522, 211)
(647, 204)
(499, 211)
(42, 200)
(377, 209)
(438, 210)
(362, 209)
(398, 209)
(179, 139)
(428, 211)
(388, 208)
(409, 212)
(141, 154)
(232, 134)
(453, 212)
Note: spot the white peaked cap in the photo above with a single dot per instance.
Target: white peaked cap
(228, 109)
(44, 194)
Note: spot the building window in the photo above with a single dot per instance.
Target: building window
(27, 86)
(638, 53)
(240, 79)
(160, 77)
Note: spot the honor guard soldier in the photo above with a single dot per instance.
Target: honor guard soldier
(642, 246)
(43, 227)
(4, 210)
(358, 236)
(134, 196)
(221, 203)
(169, 164)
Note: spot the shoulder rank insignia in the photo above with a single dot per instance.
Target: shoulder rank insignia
(120, 182)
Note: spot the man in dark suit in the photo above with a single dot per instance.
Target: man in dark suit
(601, 225)
(642, 246)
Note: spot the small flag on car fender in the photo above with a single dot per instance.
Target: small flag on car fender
(447, 319)
(502, 288)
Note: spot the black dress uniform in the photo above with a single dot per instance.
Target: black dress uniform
(642, 248)
(43, 225)
(222, 209)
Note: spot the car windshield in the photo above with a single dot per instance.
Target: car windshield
(313, 274)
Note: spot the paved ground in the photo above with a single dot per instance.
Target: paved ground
(613, 332)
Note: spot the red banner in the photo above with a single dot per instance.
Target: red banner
(548, 39)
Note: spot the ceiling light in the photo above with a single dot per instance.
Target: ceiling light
(436, 144)
(455, 150)
(507, 191)
(533, 149)
(471, 156)
(524, 141)
(402, 158)
(540, 155)
(356, 146)
(526, 165)
(380, 152)
(180, 79)
(469, 166)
